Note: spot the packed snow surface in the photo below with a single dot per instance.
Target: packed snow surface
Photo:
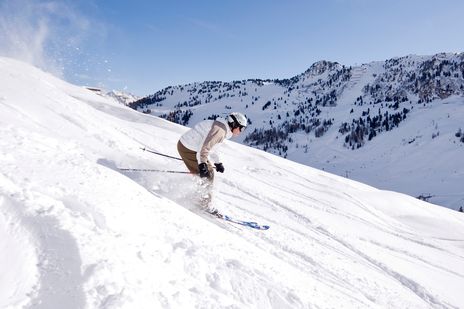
(77, 232)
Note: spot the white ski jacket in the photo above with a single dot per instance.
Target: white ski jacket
(204, 138)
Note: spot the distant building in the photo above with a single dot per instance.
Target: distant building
(95, 89)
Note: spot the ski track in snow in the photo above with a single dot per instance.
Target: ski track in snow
(406, 282)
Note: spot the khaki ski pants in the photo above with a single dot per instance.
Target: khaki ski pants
(190, 159)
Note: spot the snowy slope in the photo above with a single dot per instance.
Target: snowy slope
(75, 232)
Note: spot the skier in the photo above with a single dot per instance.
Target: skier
(196, 148)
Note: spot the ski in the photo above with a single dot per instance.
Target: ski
(251, 224)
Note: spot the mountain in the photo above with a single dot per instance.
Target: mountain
(78, 232)
(395, 124)
(122, 97)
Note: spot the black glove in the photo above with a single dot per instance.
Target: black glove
(219, 167)
(204, 172)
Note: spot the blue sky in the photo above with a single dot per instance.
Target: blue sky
(144, 46)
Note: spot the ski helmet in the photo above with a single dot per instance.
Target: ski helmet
(237, 120)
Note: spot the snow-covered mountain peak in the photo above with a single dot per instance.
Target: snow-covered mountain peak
(321, 67)
(122, 97)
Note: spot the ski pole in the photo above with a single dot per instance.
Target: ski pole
(151, 170)
(160, 154)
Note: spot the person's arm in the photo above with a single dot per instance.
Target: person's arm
(215, 136)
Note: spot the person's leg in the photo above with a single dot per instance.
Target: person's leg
(189, 157)
(205, 185)
(207, 189)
